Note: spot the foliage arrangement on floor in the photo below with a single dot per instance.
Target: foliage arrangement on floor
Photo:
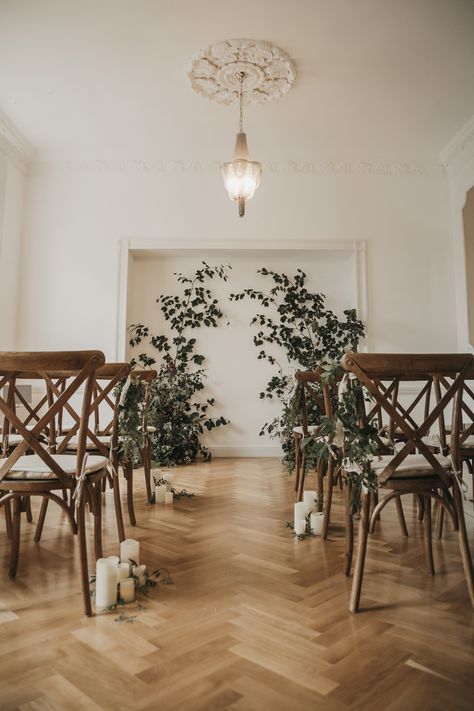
(296, 331)
(176, 411)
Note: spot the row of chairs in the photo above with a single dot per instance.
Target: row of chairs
(65, 445)
(423, 409)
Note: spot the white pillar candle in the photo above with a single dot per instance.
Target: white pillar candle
(130, 550)
(300, 527)
(139, 572)
(105, 583)
(316, 523)
(169, 497)
(155, 474)
(123, 571)
(310, 499)
(300, 511)
(127, 590)
(160, 493)
(114, 559)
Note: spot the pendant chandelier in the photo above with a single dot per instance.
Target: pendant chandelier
(241, 70)
(242, 175)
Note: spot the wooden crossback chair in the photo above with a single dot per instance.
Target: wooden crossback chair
(414, 468)
(102, 431)
(147, 377)
(41, 472)
(315, 394)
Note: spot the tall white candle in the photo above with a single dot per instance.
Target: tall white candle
(123, 571)
(169, 497)
(139, 572)
(310, 499)
(130, 550)
(114, 560)
(300, 511)
(105, 583)
(300, 527)
(127, 590)
(160, 493)
(316, 523)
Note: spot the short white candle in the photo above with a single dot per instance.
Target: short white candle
(139, 572)
(300, 511)
(114, 559)
(316, 523)
(105, 583)
(127, 590)
(169, 497)
(160, 493)
(123, 571)
(310, 499)
(130, 550)
(300, 527)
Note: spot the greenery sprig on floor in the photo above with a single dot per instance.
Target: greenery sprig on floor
(176, 412)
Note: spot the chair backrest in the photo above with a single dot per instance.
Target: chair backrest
(104, 410)
(381, 375)
(315, 396)
(79, 368)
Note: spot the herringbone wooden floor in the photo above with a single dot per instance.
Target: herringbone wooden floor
(255, 620)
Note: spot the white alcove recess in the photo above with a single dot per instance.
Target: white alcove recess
(235, 375)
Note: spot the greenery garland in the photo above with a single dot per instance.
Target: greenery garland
(179, 417)
(306, 332)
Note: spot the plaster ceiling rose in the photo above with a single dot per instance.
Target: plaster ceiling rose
(268, 72)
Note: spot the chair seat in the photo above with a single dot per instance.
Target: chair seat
(31, 466)
(311, 429)
(412, 467)
(14, 439)
(74, 441)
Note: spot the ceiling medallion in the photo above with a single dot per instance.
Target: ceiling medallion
(268, 72)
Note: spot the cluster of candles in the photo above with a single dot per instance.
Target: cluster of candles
(306, 508)
(163, 493)
(112, 575)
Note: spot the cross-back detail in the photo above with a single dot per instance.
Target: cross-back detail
(317, 391)
(371, 370)
(80, 365)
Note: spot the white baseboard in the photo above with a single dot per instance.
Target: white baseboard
(235, 450)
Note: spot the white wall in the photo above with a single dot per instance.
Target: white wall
(12, 185)
(459, 158)
(77, 213)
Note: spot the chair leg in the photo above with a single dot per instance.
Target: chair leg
(427, 534)
(327, 509)
(118, 508)
(463, 540)
(302, 478)
(319, 485)
(401, 516)
(81, 530)
(97, 492)
(146, 461)
(361, 552)
(29, 513)
(439, 521)
(41, 519)
(297, 461)
(15, 548)
(349, 531)
(421, 507)
(8, 518)
(128, 471)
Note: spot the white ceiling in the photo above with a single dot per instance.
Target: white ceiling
(391, 78)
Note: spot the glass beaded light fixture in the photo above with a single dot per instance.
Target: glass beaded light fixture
(241, 175)
(245, 71)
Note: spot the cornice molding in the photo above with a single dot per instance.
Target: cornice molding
(460, 148)
(376, 168)
(13, 145)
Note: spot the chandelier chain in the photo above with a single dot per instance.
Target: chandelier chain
(241, 115)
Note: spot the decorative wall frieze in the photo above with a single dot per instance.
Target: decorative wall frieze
(378, 168)
(13, 145)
